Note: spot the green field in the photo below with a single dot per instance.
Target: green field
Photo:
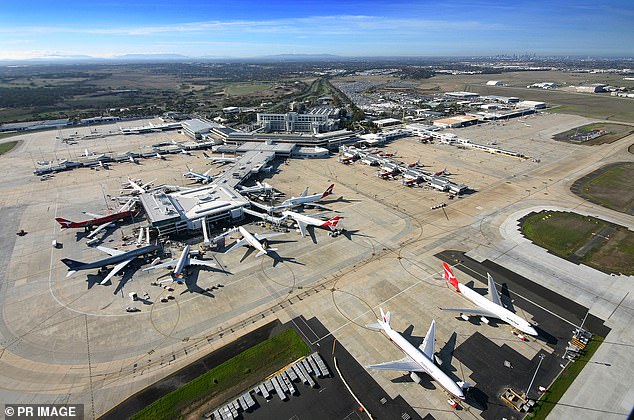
(610, 186)
(6, 147)
(230, 378)
(583, 239)
(247, 88)
(561, 233)
(550, 398)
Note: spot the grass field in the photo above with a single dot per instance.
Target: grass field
(230, 378)
(610, 186)
(561, 233)
(247, 88)
(614, 132)
(598, 106)
(582, 239)
(550, 398)
(6, 147)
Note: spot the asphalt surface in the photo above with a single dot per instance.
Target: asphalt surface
(332, 400)
(174, 381)
(487, 359)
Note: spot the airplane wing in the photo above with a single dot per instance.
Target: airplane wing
(305, 193)
(170, 263)
(110, 251)
(95, 215)
(260, 236)
(493, 292)
(302, 227)
(115, 270)
(238, 244)
(194, 261)
(471, 311)
(99, 229)
(407, 364)
(427, 347)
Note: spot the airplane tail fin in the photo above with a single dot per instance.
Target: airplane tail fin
(328, 191)
(449, 276)
(64, 222)
(385, 317)
(332, 223)
(305, 193)
(72, 264)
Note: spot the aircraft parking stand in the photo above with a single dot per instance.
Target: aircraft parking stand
(70, 339)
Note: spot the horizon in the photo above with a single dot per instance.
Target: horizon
(246, 29)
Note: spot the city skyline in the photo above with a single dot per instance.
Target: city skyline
(246, 28)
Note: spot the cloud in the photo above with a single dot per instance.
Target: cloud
(319, 25)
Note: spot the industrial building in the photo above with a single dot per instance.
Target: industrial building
(294, 122)
(456, 121)
(593, 88)
(386, 122)
(198, 128)
(495, 83)
(462, 95)
(531, 105)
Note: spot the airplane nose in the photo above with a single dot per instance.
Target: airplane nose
(532, 331)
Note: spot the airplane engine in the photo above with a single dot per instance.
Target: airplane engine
(415, 377)
(485, 320)
(465, 317)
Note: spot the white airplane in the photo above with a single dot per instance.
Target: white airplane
(198, 177)
(222, 160)
(419, 359)
(304, 198)
(183, 261)
(257, 188)
(254, 241)
(492, 308)
(139, 189)
(303, 222)
(160, 156)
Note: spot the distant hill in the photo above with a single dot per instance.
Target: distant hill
(151, 57)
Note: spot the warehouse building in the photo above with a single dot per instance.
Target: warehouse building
(593, 88)
(456, 121)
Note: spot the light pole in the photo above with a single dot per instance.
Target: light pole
(541, 358)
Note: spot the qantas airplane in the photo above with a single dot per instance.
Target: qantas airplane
(254, 241)
(100, 221)
(419, 359)
(183, 261)
(303, 222)
(304, 198)
(117, 257)
(492, 308)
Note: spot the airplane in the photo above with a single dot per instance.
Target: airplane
(117, 258)
(133, 160)
(414, 164)
(139, 189)
(183, 261)
(387, 173)
(99, 220)
(198, 177)
(382, 154)
(492, 308)
(222, 160)
(258, 188)
(443, 172)
(254, 241)
(160, 156)
(304, 199)
(348, 158)
(419, 359)
(303, 222)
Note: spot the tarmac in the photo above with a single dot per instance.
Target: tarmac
(70, 339)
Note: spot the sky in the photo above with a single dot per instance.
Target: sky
(251, 28)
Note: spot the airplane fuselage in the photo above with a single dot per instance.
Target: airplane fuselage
(117, 258)
(425, 363)
(182, 260)
(500, 312)
(94, 222)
